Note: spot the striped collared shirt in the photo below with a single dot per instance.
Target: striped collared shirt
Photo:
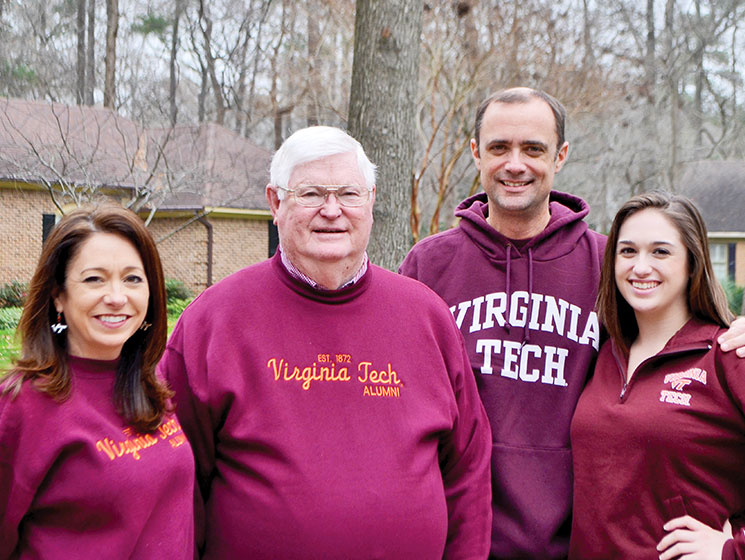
(295, 273)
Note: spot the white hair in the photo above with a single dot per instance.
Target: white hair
(312, 143)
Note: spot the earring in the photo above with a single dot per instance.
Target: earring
(59, 326)
(145, 326)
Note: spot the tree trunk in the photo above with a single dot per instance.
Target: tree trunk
(173, 77)
(650, 56)
(240, 94)
(204, 88)
(315, 86)
(588, 61)
(278, 112)
(382, 106)
(255, 70)
(206, 25)
(466, 9)
(80, 62)
(697, 116)
(673, 98)
(112, 30)
(90, 71)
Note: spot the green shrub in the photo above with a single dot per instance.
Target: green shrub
(734, 296)
(9, 317)
(176, 307)
(13, 294)
(176, 289)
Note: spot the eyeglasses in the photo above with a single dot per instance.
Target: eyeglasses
(313, 196)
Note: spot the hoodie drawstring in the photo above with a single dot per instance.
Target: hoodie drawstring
(507, 287)
(526, 331)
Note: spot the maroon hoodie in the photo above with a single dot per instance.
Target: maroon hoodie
(525, 309)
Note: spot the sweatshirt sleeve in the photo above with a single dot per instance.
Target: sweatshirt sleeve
(734, 549)
(408, 266)
(465, 462)
(734, 374)
(186, 380)
(15, 498)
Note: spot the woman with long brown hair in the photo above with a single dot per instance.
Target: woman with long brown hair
(92, 462)
(658, 436)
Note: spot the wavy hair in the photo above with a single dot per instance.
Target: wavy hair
(140, 398)
(313, 143)
(706, 298)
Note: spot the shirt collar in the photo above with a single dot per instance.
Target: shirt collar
(295, 273)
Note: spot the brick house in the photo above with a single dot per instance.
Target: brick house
(200, 187)
(718, 190)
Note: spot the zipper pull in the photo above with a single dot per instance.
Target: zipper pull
(623, 391)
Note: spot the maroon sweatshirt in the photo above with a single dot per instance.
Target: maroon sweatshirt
(671, 442)
(77, 482)
(526, 311)
(334, 425)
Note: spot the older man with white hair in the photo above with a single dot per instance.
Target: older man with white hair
(330, 403)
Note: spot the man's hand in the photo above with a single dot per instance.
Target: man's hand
(689, 539)
(734, 338)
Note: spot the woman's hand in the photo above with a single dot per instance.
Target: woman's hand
(689, 539)
(734, 337)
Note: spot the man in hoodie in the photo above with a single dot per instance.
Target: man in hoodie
(520, 274)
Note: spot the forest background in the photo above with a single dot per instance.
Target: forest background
(650, 85)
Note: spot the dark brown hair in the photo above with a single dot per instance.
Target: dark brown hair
(139, 396)
(523, 95)
(706, 299)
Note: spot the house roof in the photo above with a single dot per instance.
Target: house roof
(181, 167)
(227, 169)
(718, 190)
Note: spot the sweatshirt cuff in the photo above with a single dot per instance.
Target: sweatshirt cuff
(728, 550)
(734, 549)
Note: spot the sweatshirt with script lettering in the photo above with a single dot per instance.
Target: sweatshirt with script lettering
(331, 424)
(77, 482)
(525, 309)
(668, 443)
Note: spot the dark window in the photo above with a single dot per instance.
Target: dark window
(47, 223)
(731, 249)
(273, 238)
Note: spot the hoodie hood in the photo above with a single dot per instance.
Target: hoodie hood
(564, 230)
(559, 238)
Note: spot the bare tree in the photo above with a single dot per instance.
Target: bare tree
(172, 62)
(209, 56)
(381, 113)
(90, 65)
(314, 61)
(649, 85)
(112, 30)
(80, 65)
(82, 154)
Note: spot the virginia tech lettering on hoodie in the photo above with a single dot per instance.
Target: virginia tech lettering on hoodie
(526, 311)
(522, 360)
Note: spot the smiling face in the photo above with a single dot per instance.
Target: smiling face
(328, 238)
(105, 296)
(517, 158)
(651, 267)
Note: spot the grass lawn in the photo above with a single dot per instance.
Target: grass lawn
(8, 346)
